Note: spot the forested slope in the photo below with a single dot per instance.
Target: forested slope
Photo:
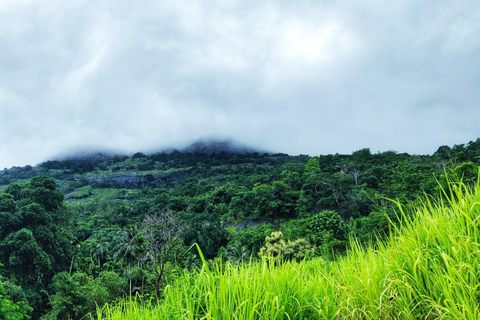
(76, 233)
(426, 269)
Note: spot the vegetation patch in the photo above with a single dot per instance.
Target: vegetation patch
(258, 219)
(79, 193)
(427, 270)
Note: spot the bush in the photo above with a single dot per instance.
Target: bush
(277, 249)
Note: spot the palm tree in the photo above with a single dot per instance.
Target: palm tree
(237, 253)
(128, 246)
(76, 245)
(99, 250)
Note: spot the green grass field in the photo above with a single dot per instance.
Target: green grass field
(428, 269)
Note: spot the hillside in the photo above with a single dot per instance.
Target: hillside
(428, 270)
(91, 229)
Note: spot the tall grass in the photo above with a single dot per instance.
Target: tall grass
(429, 269)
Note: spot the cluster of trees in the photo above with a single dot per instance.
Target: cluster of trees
(33, 247)
(61, 259)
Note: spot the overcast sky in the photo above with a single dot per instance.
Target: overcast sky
(311, 77)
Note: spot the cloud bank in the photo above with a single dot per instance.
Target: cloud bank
(297, 77)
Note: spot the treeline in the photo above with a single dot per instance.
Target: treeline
(62, 258)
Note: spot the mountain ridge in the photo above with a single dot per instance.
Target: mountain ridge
(211, 146)
(202, 146)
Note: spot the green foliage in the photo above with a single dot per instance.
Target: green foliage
(327, 232)
(236, 252)
(203, 228)
(13, 308)
(99, 227)
(15, 190)
(252, 238)
(427, 270)
(296, 229)
(78, 295)
(32, 246)
(7, 203)
(327, 222)
(42, 190)
(374, 228)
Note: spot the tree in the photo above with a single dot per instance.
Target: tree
(443, 152)
(128, 246)
(237, 252)
(14, 189)
(13, 303)
(78, 295)
(26, 259)
(99, 250)
(327, 225)
(292, 176)
(253, 237)
(314, 186)
(42, 190)
(11, 310)
(32, 247)
(283, 200)
(204, 226)
(7, 203)
(161, 232)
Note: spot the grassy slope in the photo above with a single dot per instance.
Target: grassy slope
(431, 270)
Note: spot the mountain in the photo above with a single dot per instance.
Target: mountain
(87, 153)
(218, 146)
(202, 146)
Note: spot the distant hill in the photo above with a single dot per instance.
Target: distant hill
(203, 146)
(87, 153)
(218, 146)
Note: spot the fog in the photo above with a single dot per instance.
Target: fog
(296, 77)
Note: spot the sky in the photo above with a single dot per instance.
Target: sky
(300, 77)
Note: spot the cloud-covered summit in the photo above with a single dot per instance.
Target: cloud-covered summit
(297, 77)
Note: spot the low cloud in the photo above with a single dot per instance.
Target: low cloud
(295, 77)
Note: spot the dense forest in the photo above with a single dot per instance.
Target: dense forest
(79, 233)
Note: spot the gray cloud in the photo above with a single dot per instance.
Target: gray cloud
(296, 77)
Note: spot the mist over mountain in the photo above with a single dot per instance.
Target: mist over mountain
(202, 146)
(87, 153)
(218, 146)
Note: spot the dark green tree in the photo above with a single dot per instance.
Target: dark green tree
(32, 247)
(328, 231)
